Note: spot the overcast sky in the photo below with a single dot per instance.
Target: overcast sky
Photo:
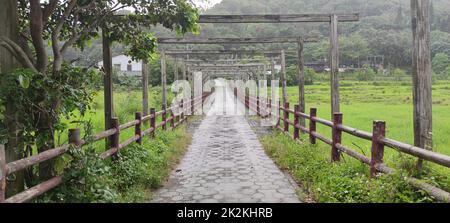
(210, 2)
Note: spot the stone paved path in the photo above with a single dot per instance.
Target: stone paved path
(226, 163)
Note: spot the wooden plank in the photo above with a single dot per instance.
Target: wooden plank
(283, 77)
(421, 72)
(301, 81)
(232, 40)
(223, 61)
(334, 60)
(212, 52)
(273, 18)
(107, 81)
(145, 75)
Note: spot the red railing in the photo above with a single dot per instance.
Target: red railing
(377, 137)
(75, 140)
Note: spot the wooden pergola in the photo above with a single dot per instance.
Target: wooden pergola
(297, 40)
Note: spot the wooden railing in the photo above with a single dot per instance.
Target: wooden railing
(75, 140)
(377, 137)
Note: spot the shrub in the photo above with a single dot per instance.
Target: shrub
(366, 74)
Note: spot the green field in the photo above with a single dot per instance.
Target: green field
(364, 102)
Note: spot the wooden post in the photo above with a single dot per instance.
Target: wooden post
(172, 119)
(164, 119)
(421, 73)
(182, 110)
(312, 125)
(301, 80)
(192, 105)
(114, 139)
(283, 77)
(337, 134)
(297, 122)
(145, 75)
(279, 113)
(377, 147)
(164, 80)
(153, 121)
(108, 82)
(258, 113)
(137, 127)
(2, 174)
(286, 117)
(75, 137)
(334, 64)
(270, 107)
(272, 69)
(175, 70)
(183, 71)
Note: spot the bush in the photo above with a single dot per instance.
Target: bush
(366, 74)
(310, 74)
(128, 178)
(398, 74)
(440, 63)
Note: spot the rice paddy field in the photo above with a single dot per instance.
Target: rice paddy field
(364, 102)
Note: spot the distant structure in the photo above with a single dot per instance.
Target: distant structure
(318, 66)
(125, 65)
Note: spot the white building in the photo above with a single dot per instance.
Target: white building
(125, 65)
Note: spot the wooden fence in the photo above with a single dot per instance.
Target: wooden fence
(75, 140)
(377, 137)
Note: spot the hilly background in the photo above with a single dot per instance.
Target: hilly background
(384, 30)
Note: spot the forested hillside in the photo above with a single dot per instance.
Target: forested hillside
(384, 30)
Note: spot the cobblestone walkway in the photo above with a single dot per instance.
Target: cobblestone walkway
(226, 163)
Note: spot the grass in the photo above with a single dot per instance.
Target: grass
(344, 182)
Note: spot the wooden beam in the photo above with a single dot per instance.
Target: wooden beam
(213, 52)
(421, 72)
(223, 61)
(334, 66)
(107, 81)
(293, 18)
(175, 68)
(145, 75)
(237, 65)
(232, 40)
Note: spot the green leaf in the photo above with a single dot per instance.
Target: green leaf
(24, 81)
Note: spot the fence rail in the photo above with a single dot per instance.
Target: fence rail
(75, 140)
(377, 137)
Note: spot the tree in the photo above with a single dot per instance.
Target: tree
(49, 85)
(440, 63)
